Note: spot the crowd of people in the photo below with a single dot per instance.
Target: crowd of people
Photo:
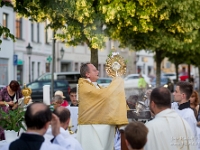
(102, 114)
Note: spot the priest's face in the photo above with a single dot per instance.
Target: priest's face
(93, 73)
(178, 95)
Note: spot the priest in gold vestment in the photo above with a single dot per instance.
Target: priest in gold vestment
(100, 110)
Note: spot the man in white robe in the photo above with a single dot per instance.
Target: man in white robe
(38, 117)
(181, 105)
(100, 110)
(64, 117)
(167, 131)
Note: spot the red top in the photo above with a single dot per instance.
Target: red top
(64, 104)
(183, 78)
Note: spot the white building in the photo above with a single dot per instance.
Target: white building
(7, 68)
(145, 63)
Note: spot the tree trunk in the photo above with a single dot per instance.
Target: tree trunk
(199, 78)
(177, 74)
(158, 59)
(189, 72)
(94, 57)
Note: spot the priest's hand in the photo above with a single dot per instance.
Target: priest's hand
(55, 124)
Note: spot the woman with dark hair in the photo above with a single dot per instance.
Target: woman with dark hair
(9, 97)
(194, 102)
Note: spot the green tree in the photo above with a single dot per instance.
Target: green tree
(77, 21)
(174, 24)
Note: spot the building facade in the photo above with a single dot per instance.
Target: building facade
(7, 66)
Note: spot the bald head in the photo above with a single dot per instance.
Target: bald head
(161, 97)
(37, 115)
(37, 107)
(62, 113)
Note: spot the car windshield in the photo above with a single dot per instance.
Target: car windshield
(161, 79)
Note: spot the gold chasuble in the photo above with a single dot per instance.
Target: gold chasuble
(104, 105)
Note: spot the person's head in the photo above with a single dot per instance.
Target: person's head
(59, 93)
(38, 117)
(63, 115)
(194, 99)
(14, 85)
(182, 92)
(135, 135)
(89, 71)
(57, 101)
(73, 96)
(160, 99)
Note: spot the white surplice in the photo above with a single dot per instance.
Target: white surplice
(188, 115)
(96, 136)
(70, 142)
(169, 131)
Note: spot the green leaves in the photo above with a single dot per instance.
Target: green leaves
(5, 31)
(13, 120)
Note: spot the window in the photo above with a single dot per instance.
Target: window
(47, 65)
(18, 27)
(46, 33)
(33, 66)
(32, 32)
(168, 64)
(5, 23)
(38, 32)
(38, 67)
(76, 67)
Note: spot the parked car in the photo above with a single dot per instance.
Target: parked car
(104, 82)
(164, 81)
(37, 88)
(131, 81)
(172, 76)
(71, 77)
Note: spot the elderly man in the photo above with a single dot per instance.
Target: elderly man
(100, 110)
(167, 131)
(64, 117)
(38, 117)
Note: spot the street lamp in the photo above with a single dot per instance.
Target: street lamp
(29, 52)
(62, 52)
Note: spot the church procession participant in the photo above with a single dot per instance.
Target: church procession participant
(38, 117)
(136, 135)
(100, 110)
(73, 97)
(167, 131)
(64, 117)
(181, 105)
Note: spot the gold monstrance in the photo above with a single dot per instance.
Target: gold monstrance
(26, 92)
(115, 65)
